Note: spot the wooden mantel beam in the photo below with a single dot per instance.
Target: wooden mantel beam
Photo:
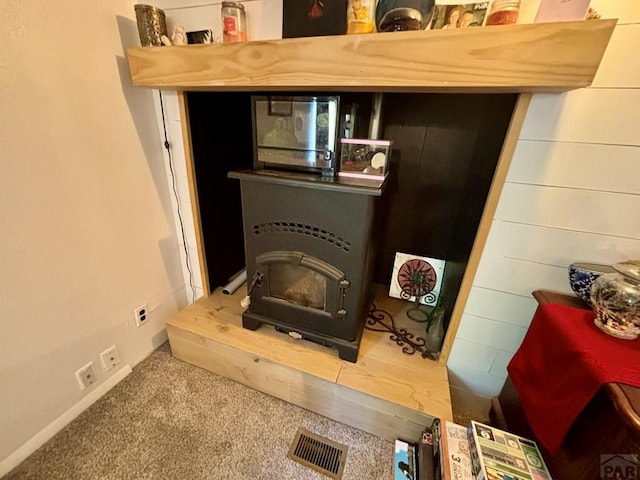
(551, 57)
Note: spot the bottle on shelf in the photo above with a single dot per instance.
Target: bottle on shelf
(435, 328)
(360, 16)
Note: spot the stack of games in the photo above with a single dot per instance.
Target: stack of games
(451, 454)
(496, 454)
(449, 451)
(414, 461)
(425, 456)
(404, 461)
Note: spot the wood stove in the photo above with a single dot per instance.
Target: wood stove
(309, 247)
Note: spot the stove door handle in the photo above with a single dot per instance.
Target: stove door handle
(343, 288)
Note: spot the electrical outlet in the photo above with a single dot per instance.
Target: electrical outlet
(86, 375)
(110, 358)
(141, 314)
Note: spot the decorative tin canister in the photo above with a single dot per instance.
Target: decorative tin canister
(151, 25)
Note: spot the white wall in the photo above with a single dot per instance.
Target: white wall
(88, 229)
(572, 194)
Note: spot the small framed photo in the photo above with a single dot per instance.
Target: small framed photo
(199, 37)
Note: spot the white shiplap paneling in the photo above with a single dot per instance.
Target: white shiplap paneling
(610, 168)
(499, 367)
(519, 277)
(175, 169)
(177, 153)
(480, 383)
(472, 355)
(195, 279)
(571, 195)
(573, 209)
(171, 106)
(501, 306)
(557, 247)
(498, 335)
(588, 115)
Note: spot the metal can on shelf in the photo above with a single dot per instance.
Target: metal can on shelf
(234, 22)
(151, 25)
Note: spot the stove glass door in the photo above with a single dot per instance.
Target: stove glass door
(298, 284)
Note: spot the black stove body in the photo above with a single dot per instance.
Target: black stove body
(309, 248)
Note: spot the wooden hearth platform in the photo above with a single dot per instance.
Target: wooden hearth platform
(386, 392)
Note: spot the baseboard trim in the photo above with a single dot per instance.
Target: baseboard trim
(40, 438)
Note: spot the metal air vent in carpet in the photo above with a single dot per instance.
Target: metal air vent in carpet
(318, 453)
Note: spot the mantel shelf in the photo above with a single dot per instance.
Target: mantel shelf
(550, 57)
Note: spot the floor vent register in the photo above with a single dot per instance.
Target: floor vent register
(318, 453)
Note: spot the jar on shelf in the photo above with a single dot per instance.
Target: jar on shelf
(401, 15)
(616, 301)
(504, 12)
(360, 16)
(234, 22)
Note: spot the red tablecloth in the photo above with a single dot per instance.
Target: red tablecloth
(563, 361)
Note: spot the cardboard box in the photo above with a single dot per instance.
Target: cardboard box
(452, 458)
(499, 455)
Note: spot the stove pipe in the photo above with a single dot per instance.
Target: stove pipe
(375, 123)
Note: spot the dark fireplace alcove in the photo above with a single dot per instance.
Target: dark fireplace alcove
(445, 151)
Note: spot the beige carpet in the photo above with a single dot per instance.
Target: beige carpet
(171, 420)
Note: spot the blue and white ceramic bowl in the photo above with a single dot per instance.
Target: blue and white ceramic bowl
(582, 275)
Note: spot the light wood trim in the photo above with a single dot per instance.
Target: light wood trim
(514, 58)
(499, 177)
(193, 192)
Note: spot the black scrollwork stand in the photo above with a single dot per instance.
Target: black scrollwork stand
(382, 321)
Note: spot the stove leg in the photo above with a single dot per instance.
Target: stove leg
(348, 353)
(250, 323)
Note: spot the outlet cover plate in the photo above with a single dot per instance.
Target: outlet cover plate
(86, 376)
(110, 358)
(141, 315)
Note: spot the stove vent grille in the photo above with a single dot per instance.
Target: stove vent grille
(302, 229)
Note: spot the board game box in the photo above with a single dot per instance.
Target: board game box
(404, 461)
(500, 455)
(451, 454)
